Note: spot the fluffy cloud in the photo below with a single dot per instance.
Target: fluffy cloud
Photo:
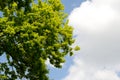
(97, 30)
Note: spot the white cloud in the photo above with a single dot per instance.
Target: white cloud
(106, 75)
(83, 71)
(96, 24)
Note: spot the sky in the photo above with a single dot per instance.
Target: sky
(96, 30)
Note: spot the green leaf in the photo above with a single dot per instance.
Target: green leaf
(77, 48)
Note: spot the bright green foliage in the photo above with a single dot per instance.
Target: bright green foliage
(31, 33)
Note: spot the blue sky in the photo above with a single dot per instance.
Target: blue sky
(71, 4)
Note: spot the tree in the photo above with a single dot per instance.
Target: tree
(30, 34)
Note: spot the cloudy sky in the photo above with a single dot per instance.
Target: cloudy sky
(97, 31)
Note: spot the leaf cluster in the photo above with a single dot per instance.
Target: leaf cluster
(31, 33)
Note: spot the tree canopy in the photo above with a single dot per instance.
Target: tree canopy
(31, 32)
